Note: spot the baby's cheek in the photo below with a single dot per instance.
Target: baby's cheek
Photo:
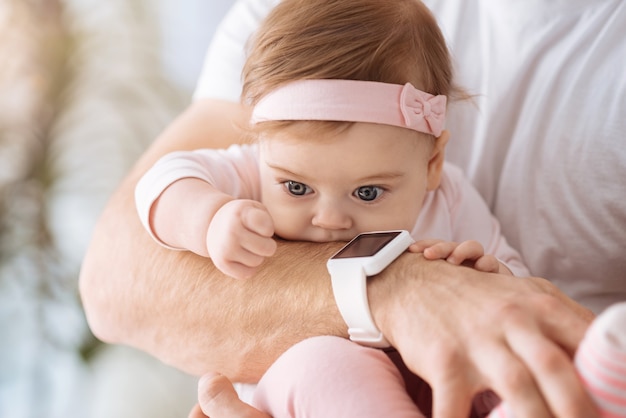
(288, 224)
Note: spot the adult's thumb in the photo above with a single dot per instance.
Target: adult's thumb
(218, 399)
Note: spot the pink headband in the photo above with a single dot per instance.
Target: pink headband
(354, 101)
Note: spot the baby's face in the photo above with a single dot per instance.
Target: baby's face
(370, 177)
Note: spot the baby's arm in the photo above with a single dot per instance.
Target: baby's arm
(192, 214)
(470, 253)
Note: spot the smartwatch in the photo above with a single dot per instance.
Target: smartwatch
(366, 255)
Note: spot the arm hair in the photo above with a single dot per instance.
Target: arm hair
(176, 305)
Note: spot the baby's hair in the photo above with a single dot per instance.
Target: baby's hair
(392, 41)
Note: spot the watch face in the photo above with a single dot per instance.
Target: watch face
(366, 245)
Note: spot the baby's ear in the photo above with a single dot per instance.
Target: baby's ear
(435, 164)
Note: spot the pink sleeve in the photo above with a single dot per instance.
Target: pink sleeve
(472, 220)
(234, 171)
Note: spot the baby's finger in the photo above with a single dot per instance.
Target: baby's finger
(253, 249)
(421, 245)
(255, 245)
(467, 250)
(236, 270)
(258, 220)
(488, 264)
(246, 258)
(441, 250)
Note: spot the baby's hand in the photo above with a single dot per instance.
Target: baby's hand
(469, 253)
(240, 237)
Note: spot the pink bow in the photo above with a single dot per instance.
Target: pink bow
(422, 111)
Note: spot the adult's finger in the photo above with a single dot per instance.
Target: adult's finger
(512, 380)
(218, 399)
(452, 398)
(452, 376)
(556, 377)
(552, 367)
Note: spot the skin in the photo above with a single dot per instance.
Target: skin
(131, 290)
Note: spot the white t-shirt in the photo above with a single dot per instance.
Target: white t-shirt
(544, 139)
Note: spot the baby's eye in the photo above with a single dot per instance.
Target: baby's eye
(368, 193)
(297, 189)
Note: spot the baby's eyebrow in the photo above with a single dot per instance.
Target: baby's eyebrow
(283, 169)
(373, 178)
(391, 175)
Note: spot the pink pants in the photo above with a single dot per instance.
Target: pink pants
(333, 377)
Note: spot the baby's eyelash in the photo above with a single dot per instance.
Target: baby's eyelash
(370, 193)
(296, 188)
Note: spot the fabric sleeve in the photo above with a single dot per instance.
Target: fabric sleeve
(221, 72)
(234, 171)
(472, 220)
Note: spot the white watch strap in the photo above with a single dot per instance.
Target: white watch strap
(351, 297)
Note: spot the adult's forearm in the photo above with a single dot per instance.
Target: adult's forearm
(176, 305)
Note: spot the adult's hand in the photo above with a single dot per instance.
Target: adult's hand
(525, 358)
(465, 331)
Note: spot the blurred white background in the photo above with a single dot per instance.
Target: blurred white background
(186, 28)
(85, 86)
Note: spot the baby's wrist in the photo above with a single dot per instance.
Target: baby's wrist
(199, 222)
